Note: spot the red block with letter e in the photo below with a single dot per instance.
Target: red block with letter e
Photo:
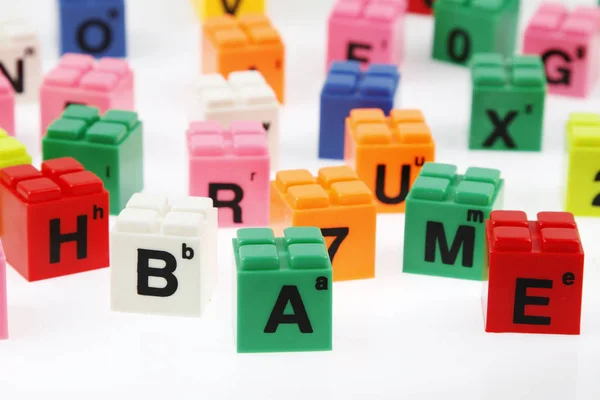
(535, 273)
(55, 221)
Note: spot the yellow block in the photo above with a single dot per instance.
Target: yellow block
(216, 8)
(583, 172)
(12, 152)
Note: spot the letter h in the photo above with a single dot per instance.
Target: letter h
(57, 238)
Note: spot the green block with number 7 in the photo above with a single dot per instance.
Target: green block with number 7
(110, 146)
(283, 291)
(444, 229)
(338, 203)
(467, 27)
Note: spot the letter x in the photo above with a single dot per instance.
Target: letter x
(500, 128)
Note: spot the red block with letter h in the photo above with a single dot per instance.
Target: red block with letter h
(535, 273)
(55, 221)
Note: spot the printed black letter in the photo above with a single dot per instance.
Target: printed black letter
(436, 235)
(57, 238)
(144, 272)
(380, 185)
(521, 300)
(238, 192)
(289, 293)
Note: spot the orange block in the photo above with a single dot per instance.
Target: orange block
(388, 153)
(339, 204)
(248, 42)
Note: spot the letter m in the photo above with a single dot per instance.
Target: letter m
(474, 216)
(435, 236)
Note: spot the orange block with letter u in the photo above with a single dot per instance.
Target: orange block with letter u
(387, 153)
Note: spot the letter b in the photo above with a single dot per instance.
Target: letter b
(145, 271)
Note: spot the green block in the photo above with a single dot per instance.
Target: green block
(283, 291)
(467, 27)
(444, 231)
(110, 146)
(507, 110)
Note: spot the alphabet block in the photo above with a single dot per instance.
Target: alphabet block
(232, 168)
(347, 88)
(12, 152)
(20, 59)
(424, 7)
(218, 8)
(3, 307)
(507, 108)
(569, 44)
(58, 221)
(387, 153)
(93, 27)
(339, 204)
(245, 43)
(245, 96)
(535, 273)
(444, 231)
(77, 79)
(283, 293)
(467, 27)
(366, 31)
(164, 257)
(583, 170)
(110, 146)
(7, 106)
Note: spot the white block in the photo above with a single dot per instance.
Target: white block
(20, 58)
(163, 258)
(246, 96)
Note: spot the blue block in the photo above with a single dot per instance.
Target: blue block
(94, 27)
(347, 88)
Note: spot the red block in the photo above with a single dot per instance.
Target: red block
(420, 6)
(535, 273)
(55, 222)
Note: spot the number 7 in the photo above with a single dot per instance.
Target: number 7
(340, 234)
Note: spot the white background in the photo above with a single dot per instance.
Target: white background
(398, 336)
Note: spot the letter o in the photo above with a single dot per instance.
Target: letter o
(106, 36)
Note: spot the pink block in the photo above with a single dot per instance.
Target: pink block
(107, 84)
(569, 44)
(7, 106)
(3, 309)
(231, 166)
(369, 31)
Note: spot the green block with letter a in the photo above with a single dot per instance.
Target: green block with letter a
(444, 231)
(283, 293)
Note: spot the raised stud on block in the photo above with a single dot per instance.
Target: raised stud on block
(164, 256)
(78, 79)
(283, 291)
(387, 153)
(535, 273)
(245, 43)
(231, 166)
(245, 96)
(70, 208)
(444, 231)
(507, 106)
(347, 88)
(339, 204)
